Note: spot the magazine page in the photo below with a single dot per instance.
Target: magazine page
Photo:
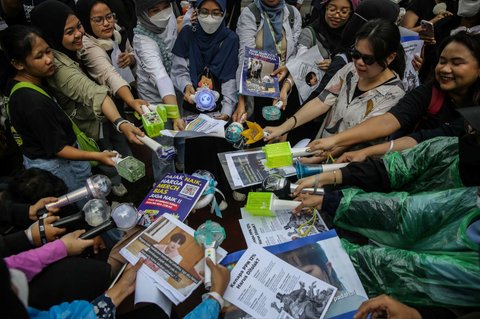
(247, 168)
(201, 125)
(175, 194)
(265, 286)
(322, 256)
(255, 78)
(284, 227)
(173, 260)
(413, 46)
(306, 74)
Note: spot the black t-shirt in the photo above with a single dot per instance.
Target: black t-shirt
(411, 111)
(42, 125)
(424, 9)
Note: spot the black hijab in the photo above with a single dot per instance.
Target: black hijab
(328, 36)
(50, 17)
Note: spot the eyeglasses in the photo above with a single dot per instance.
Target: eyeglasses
(203, 13)
(367, 59)
(472, 30)
(342, 12)
(100, 20)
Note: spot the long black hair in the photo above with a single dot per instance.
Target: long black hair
(16, 44)
(472, 43)
(384, 37)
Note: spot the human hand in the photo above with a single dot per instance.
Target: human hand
(322, 144)
(189, 90)
(136, 105)
(98, 244)
(324, 64)
(131, 131)
(75, 245)
(306, 182)
(280, 73)
(220, 277)
(316, 158)
(222, 116)
(125, 59)
(308, 200)
(33, 209)
(386, 307)
(417, 62)
(283, 97)
(106, 158)
(51, 232)
(239, 112)
(274, 132)
(353, 156)
(125, 285)
(440, 16)
(179, 124)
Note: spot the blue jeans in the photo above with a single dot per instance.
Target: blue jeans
(73, 173)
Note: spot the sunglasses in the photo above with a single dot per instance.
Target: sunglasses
(367, 59)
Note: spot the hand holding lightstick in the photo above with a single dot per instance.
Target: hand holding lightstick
(209, 235)
(282, 187)
(96, 186)
(95, 212)
(159, 150)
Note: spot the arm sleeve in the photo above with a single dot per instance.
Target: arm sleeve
(180, 73)
(456, 128)
(100, 68)
(247, 33)
(297, 29)
(77, 86)
(149, 57)
(208, 309)
(305, 41)
(410, 109)
(229, 92)
(370, 175)
(32, 262)
(14, 244)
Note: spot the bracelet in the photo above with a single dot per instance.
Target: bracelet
(295, 123)
(41, 229)
(119, 122)
(214, 295)
(334, 177)
(390, 147)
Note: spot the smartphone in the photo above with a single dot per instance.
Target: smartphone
(427, 28)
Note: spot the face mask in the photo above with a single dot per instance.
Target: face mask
(468, 8)
(469, 164)
(210, 24)
(161, 19)
(19, 280)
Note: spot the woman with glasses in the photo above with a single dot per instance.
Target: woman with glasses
(86, 102)
(102, 39)
(365, 88)
(202, 55)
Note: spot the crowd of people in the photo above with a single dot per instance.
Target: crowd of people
(73, 72)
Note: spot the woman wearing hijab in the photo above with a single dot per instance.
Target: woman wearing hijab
(274, 33)
(102, 39)
(155, 35)
(202, 53)
(86, 102)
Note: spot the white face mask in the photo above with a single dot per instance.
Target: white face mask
(210, 24)
(161, 19)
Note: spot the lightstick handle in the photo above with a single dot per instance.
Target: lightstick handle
(281, 204)
(65, 221)
(311, 190)
(302, 151)
(145, 109)
(210, 252)
(69, 198)
(333, 167)
(98, 230)
(150, 143)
